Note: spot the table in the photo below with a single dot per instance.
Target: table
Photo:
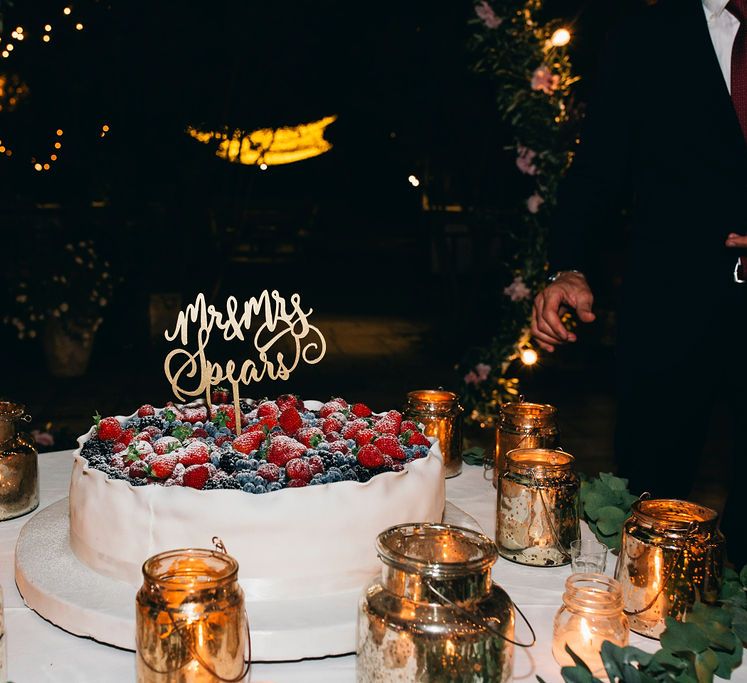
(39, 651)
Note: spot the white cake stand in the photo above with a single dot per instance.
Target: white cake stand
(56, 585)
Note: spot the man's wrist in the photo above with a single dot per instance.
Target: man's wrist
(559, 273)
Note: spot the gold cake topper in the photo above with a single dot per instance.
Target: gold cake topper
(266, 321)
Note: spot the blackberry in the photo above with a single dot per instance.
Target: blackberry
(152, 421)
(97, 460)
(328, 459)
(349, 475)
(221, 483)
(228, 462)
(363, 473)
(137, 481)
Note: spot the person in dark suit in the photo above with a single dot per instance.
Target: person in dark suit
(668, 126)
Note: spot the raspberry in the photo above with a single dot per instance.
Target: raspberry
(248, 441)
(388, 462)
(316, 465)
(408, 426)
(166, 444)
(341, 401)
(332, 437)
(298, 469)
(338, 447)
(222, 439)
(389, 445)
(198, 414)
(163, 465)
(361, 410)
(199, 433)
(418, 439)
(109, 429)
(329, 408)
(143, 436)
(144, 411)
(290, 420)
(268, 471)
(118, 447)
(195, 476)
(390, 423)
(154, 431)
(296, 483)
(268, 409)
(310, 436)
(195, 454)
(289, 401)
(364, 436)
(284, 448)
(331, 424)
(369, 456)
(138, 469)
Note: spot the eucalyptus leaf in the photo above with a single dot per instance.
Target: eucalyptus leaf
(727, 661)
(739, 623)
(743, 576)
(577, 674)
(706, 663)
(683, 637)
(610, 519)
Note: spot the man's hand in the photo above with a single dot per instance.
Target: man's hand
(569, 289)
(736, 241)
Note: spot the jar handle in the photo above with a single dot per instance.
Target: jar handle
(481, 622)
(564, 551)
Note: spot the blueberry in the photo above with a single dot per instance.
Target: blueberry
(316, 479)
(274, 486)
(276, 428)
(349, 475)
(350, 443)
(323, 446)
(253, 463)
(242, 464)
(249, 488)
(334, 474)
(260, 488)
(177, 423)
(422, 450)
(224, 430)
(215, 459)
(339, 460)
(244, 478)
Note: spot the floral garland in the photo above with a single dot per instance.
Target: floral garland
(529, 63)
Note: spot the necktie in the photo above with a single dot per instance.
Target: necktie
(738, 8)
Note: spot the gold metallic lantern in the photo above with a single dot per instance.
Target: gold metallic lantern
(537, 512)
(19, 469)
(434, 614)
(671, 555)
(523, 425)
(191, 624)
(440, 413)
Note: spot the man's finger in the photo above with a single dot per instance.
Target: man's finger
(543, 340)
(583, 309)
(550, 314)
(736, 241)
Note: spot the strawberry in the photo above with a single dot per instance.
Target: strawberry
(219, 395)
(296, 483)
(339, 446)
(309, 436)
(162, 466)
(142, 436)
(361, 410)
(138, 469)
(126, 437)
(285, 401)
(341, 401)
(195, 476)
(418, 439)
(329, 408)
(109, 429)
(316, 465)
(298, 469)
(195, 414)
(146, 410)
(269, 471)
(284, 448)
(390, 423)
(118, 462)
(222, 439)
(248, 441)
(352, 428)
(389, 445)
(370, 456)
(195, 454)
(364, 436)
(331, 424)
(118, 447)
(225, 414)
(290, 420)
(142, 448)
(166, 444)
(268, 409)
(408, 426)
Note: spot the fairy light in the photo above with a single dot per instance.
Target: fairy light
(528, 356)
(46, 38)
(10, 47)
(59, 132)
(263, 166)
(53, 157)
(47, 27)
(58, 145)
(560, 37)
(5, 54)
(46, 167)
(67, 11)
(38, 166)
(78, 26)
(413, 180)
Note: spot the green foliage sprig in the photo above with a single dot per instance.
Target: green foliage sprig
(605, 505)
(533, 77)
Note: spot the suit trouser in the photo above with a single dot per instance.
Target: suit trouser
(665, 406)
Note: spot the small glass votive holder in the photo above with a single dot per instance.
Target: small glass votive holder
(588, 556)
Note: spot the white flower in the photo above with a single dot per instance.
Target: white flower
(517, 290)
(534, 202)
(55, 313)
(79, 260)
(64, 307)
(69, 247)
(32, 333)
(103, 301)
(21, 298)
(104, 276)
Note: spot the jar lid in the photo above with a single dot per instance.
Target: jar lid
(542, 462)
(528, 415)
(10, 412)
(673, 515)
(190, 569)
(433, 399)
(436, 550)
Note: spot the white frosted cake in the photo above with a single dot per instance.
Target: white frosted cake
(177, 477)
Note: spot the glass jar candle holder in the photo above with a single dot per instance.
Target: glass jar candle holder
(592, 612)
(537, 511)
(434, 613)
(671, 555)
(441, 415)
(191, 624)
(523, 425)
(19, 468)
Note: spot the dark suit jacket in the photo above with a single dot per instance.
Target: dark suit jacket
(662, 127)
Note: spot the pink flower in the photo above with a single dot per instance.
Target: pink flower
(543, 79)
(524, 160)
(483, 371)
(534, 202)
(517, 290)
(487, 15)
(42, 438)
(471, 378)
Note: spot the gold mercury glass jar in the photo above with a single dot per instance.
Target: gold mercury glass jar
(434, 614)
(19, 469)
(440, 413)
(592, 612)
(537, 511)
(523, 425)
(191, 624)
(671, 554)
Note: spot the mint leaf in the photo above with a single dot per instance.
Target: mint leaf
(96, 418)
(132, 454)
(181, 432)
(168, 415)
(220, 419)
(406, 436)
(316, 440)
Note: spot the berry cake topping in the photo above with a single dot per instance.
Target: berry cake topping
(282, 445)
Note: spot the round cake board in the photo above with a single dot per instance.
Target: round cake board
(60, 588)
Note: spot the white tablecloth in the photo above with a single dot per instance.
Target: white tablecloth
(39, 651)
